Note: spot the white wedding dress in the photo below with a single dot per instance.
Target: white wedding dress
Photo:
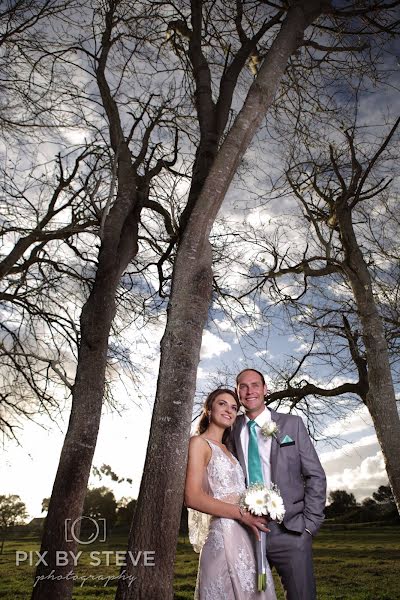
(227, 565)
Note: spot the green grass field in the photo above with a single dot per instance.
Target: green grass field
(351, 564)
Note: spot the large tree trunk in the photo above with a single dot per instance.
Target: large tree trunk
(70, 485)
(118, 248)
(381, 398)
(156, 521)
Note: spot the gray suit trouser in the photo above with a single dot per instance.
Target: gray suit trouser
(291, 555)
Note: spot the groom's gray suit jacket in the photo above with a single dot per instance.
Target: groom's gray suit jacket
(295, 469)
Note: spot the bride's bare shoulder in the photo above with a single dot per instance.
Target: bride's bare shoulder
(198, 441)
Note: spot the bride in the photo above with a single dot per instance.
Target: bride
(214, 484)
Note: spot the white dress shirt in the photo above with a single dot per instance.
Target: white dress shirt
(264, 445)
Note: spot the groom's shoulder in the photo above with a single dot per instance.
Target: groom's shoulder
(285, 417)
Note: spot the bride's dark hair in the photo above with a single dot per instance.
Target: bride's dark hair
(204, 418)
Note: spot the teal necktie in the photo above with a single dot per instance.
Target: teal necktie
(253, 457)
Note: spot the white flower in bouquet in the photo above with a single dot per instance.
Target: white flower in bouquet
(255, 500)
(261, 500)
(270, 429)
(275, 506)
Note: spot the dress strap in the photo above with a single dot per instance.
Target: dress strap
(211, 443)
(232, 459)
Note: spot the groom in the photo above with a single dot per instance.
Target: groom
(288, 459)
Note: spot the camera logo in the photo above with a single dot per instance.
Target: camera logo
(85, 530)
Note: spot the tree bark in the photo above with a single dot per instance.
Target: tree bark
(381, 398)
(66, 504)
(156, 521)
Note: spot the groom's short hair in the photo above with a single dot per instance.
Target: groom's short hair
(254, 371)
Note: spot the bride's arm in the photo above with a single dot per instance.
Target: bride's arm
(196, 497)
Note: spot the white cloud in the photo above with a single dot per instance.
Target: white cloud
(353, 423)
(264, 354)
(357, 467)
(76, 135)
(347, 451)
(212, 345)
(202, 374)
(225, 325)
(363, 479)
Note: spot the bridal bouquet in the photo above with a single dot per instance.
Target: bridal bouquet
(261, 500)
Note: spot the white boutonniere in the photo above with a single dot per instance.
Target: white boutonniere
(270, 429)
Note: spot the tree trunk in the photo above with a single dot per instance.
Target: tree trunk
(156, 521)
(381, 398)
(70, 486)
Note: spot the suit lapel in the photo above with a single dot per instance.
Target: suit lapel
(238, 445)
(275, 444)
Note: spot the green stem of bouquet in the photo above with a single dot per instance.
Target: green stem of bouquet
(261, 582)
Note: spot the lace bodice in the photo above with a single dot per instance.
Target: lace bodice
(225, 475)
